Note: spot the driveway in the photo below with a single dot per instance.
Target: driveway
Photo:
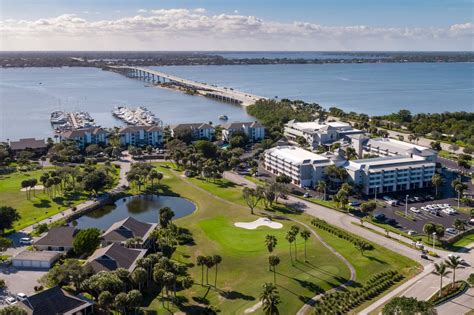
(21, 280)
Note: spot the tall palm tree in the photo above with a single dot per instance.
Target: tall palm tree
(290, 237)
(436, 180)
(270, 299)
(201, 261)
(295, 230)
(139, 277)
(442, 271)
(273, 261)
(216, 259)
(321, 188)
(270, 242)
(209, 262)
(453, 262)
(305, 234)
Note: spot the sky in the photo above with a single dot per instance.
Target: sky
(237, 25)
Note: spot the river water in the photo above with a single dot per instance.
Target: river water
(27, 96)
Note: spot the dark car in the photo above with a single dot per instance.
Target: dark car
(379, 216)
(424, 256)
(392, 222)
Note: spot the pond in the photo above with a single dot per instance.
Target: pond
(144, 208)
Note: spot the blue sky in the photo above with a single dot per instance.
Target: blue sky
(336, 24)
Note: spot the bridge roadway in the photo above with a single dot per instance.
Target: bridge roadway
(217, 92)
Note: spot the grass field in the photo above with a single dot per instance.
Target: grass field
(244, 268)
(40, 205)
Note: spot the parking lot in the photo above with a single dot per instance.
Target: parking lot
(420, 218)
(19, 281)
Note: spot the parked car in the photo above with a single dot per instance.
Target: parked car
(471, 222)
(424, 256)
(21, 296)
(379, 216)
(449, 211)
(411, 200)
(10, 300)
(392, 222)
(354, 203)
(283, 196)
(417, 198)
(411, 232)
(419, 245)
(26, 241)
(415, 210)
(307, 195)
(451, 231)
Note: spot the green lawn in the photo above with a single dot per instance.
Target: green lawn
(244, 268)
(40, 205)
(463, 242)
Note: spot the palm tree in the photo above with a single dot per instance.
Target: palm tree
(270, 242)
(209, 262)
(139, 276)
(441, 271)
(295, 230)
(436, 180)
(290, 237)
(169, 279)
(321, 188)
(305, 234)
(453, 262)
(216, 259)
(270, 299)
(201, 261)
(273, 261)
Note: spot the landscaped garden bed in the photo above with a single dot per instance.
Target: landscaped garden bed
(448, 292)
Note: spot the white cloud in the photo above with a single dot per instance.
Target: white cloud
(195, 29)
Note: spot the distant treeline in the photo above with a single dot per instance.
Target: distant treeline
(150, 58)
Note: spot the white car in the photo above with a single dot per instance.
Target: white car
(451, 230)
(471, 222)
(307, 195)
(26, 241)
(10, 300)
(21, 296)
(413, 209)
(449, 211)
(411, 232)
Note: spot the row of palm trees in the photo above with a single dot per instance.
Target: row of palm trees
(209, 262)
(453, 262)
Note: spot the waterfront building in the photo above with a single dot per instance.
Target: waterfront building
(194, 130)
(255, 131)
(37, 146)
(390, 147)
(391, 173)
(316, 133)
(86, 136)
(115, 256)
(305, 168)
(129, 228)
(141, 136)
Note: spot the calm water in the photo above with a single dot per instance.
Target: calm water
(25, 104)
(143, 208)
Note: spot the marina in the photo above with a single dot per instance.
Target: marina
(135, 116)
(64, 121)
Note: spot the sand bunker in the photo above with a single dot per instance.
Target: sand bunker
(37, 187)
(259, 222)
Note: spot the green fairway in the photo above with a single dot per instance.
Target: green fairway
(40, 205)
(244, 268)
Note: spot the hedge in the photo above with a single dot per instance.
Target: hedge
(449, 292)
(323, 225)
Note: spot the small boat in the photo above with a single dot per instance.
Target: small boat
(223, 117)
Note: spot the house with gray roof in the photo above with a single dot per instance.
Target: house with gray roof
(58, 302)
(254, 130)
(59, 238)
(37, 146)
(141, 136)
(115, 256)
(129, 228)
(86, 136)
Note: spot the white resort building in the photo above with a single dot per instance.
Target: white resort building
(253, 130)
(317, 133)
(141, 136)
(303, 167)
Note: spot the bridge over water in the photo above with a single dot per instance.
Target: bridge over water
(219, 93)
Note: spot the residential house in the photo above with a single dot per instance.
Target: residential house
(255, 131)
(115, 256)
(58, 302)
(194, 130)
(57, 239)
(37, 146)
(129, 228)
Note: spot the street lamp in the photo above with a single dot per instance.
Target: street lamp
(406, 206)
(434, 240)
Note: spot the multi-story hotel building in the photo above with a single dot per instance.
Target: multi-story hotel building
(391, 173)
(303, 167)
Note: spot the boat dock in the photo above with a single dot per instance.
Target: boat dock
(223, 94)
(63, 121)
(137, 116)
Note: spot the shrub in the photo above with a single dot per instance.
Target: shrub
(323, 225)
